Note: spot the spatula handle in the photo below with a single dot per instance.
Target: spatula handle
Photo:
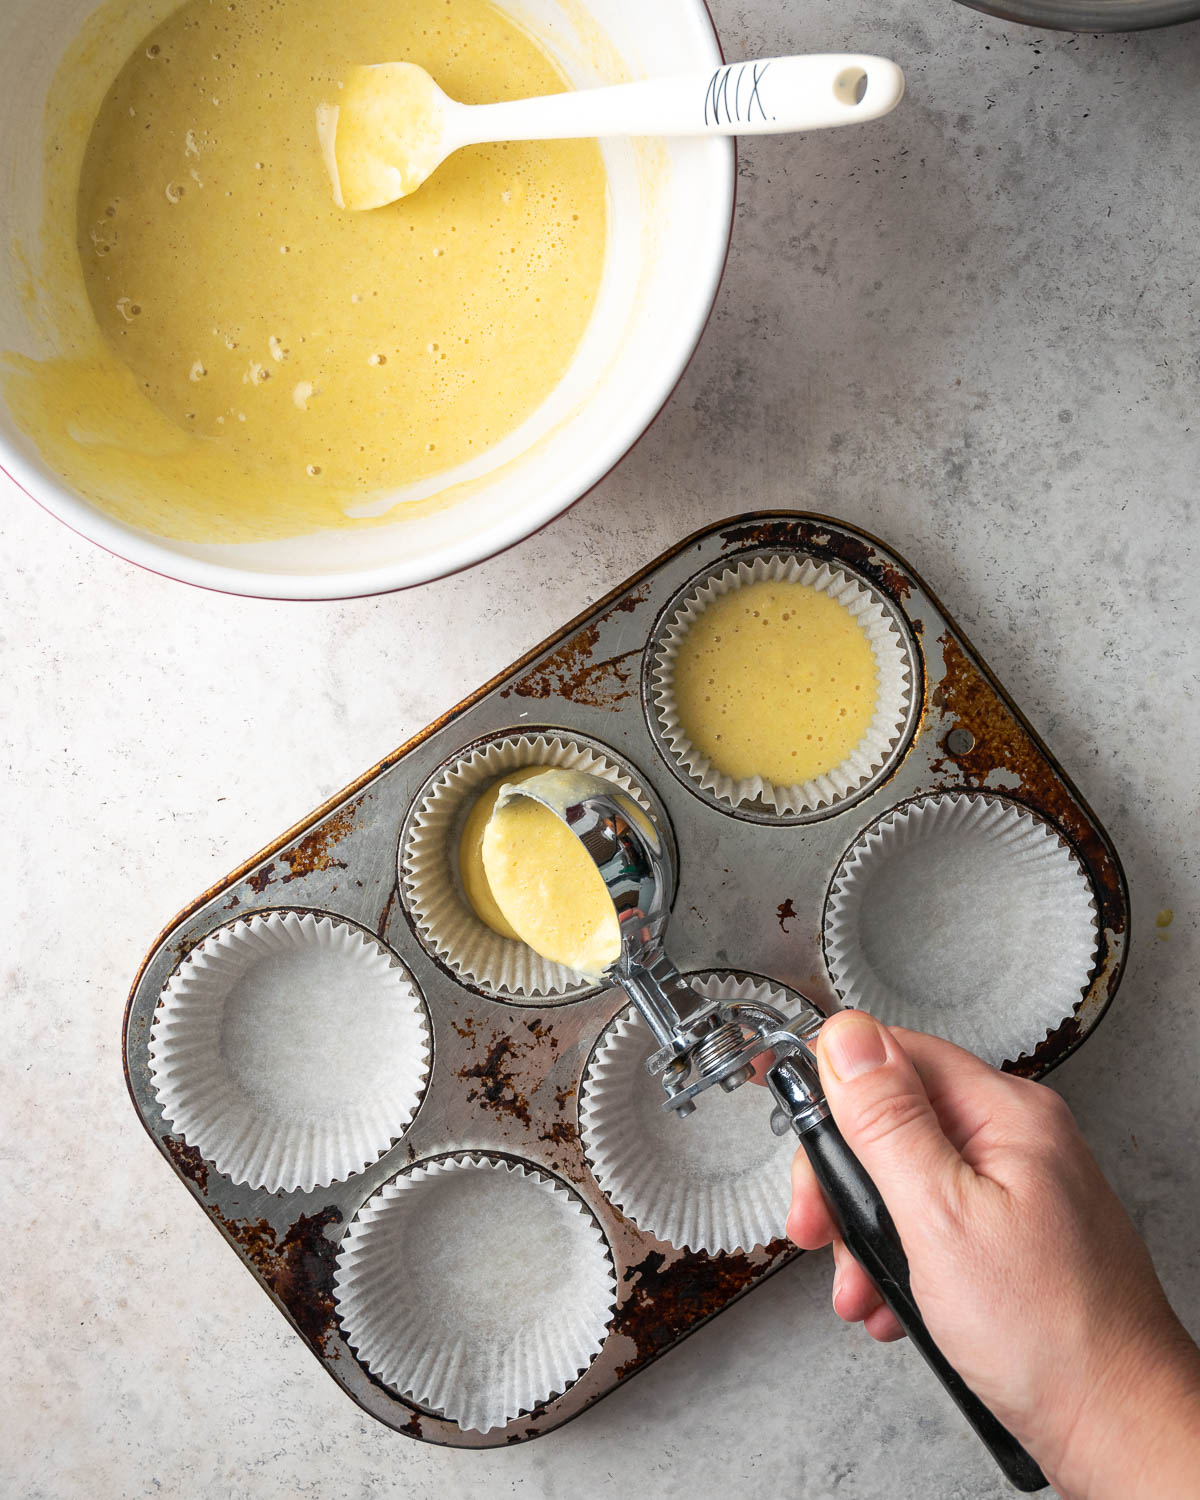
(764, 97)
(869, 1234)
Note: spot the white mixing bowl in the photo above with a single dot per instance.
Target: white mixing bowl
(671, 209)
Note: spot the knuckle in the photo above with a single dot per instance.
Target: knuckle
(954, 1207)
(887, 1115)
(1037, 1121)
(1050, 1111)
(809, 1225)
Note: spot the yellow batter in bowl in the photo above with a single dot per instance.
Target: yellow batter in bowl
(263, 359)
(777, 680)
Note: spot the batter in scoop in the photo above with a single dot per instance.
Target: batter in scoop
(548, 888)
(267, 357)
(470, 852)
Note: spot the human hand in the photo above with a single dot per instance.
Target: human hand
(1028, 1273)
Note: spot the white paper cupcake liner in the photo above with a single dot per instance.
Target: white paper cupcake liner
(717, 1181)
(883, 738)
(475, 1287)
(429, 882)
(967, 916)
(291, 1049)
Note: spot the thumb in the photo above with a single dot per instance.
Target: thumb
(885, 1116)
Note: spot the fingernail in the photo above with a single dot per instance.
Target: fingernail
(853, 1045)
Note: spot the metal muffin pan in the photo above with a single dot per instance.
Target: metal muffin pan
(505, 1077)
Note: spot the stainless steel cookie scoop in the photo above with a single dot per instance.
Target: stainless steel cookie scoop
(703, 1042)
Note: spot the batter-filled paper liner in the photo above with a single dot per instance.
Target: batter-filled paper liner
(291, 1049)
(429, 879)
(967, 916)
(882, 739)
(718, 1180)
(475, 1287)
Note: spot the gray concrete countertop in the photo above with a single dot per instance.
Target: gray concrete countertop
(971, 328)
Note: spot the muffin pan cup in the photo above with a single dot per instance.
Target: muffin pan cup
(505, 1079)
(291, 1049)
(713, 1190)
(475, 1285)
(954, 874)
(430, 880)
(867, 764)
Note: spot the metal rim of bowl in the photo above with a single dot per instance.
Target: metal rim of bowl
(1092, 15)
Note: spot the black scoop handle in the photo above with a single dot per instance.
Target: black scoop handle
(868, 1232)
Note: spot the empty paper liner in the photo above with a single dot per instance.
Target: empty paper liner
(718, 1180)
(290, 1049)
(883, 738)
(476, 1287)
(964, 915)
(430, 882)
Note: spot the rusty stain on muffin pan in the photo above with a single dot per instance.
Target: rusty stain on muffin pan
(789, 532)
(188, 1161)
(630, 603)
(572, 674)
(298, 1267)
(493, 1079)
(381, 926)
(962, 695)
(493, 1085)
(1004, 744)
(316, 850)
(884, 574)
(668, 1296)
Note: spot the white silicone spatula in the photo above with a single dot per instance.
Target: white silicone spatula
(392, 126)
